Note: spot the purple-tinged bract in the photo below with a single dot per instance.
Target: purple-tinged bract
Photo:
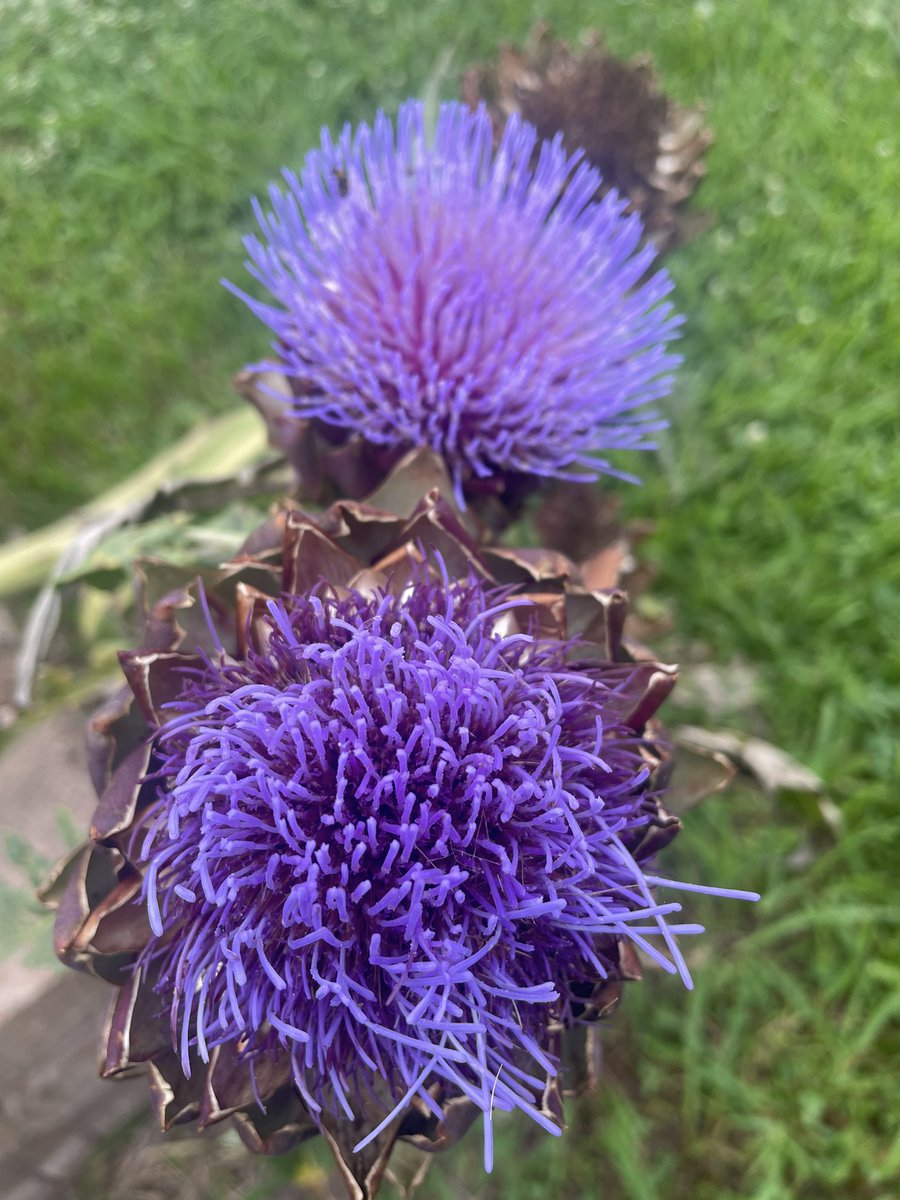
(438, 292)
(393, 843)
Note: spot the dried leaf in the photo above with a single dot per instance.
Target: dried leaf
(698, 774)
(772, 768)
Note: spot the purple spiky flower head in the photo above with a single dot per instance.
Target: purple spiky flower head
(433, 291)
(394, 843)
(374, 830)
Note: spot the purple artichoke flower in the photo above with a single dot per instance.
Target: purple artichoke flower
(391, 843)
(435, 292)
(372, 833)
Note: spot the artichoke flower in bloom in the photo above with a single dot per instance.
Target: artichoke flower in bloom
(377, 822)
(438, 292)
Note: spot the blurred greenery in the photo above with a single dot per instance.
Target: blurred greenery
(23, 920)
(131, 137)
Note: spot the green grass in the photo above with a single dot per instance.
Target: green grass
(130, 140)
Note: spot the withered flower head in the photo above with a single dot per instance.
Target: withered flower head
(440, 292)
(645, 146)
(377, 821)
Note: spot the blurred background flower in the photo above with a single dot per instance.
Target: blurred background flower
(643, 144)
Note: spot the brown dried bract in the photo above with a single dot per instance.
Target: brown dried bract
(648, 148)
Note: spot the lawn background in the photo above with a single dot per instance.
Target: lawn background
(131, 138)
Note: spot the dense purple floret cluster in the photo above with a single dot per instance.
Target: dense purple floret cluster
(441, 293)
(392, 842)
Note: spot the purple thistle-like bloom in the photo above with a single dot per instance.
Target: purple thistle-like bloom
(393, 844)
(440, 293)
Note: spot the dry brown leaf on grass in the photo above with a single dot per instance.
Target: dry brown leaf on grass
(776, 772)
